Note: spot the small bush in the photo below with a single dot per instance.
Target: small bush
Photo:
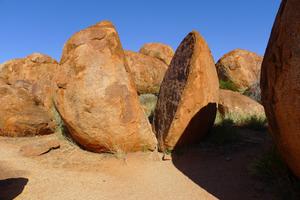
(148, 102)
(228, 85)
(272, 170)
(257, 123)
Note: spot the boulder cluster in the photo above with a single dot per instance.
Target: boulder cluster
(114, 100)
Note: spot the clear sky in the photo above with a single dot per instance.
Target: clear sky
(28, 26)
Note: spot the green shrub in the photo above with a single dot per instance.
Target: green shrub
(148, 102)
(254, 122)
(228, 85)
(257, 123)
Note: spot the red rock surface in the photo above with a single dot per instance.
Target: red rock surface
(147, 72)
(280, 82)
(97, 98)
(160, 51)
(20, 115)
(240, 67)
(34, 73)
(188, 97)
(238, 107)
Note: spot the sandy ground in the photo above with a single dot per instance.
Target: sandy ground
(70, 173)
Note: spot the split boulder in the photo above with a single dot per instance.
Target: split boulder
(188, 96)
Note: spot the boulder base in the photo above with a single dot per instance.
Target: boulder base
(239, 108)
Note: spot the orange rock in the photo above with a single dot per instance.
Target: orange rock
(147, 72)
(188, 96)
(39, 148)
(237, 107)
(160, 51)
(20, 115)
(35, 73)
(280, 83)
(97, 98)
(240, 67)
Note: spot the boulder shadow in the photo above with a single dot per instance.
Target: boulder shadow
(221, 172)
(10, 188)
(199, 126)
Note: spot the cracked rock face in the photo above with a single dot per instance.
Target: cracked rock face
(188, 96)
(96, 98)
(280, 82)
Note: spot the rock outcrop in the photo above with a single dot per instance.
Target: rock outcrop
(160, 51)
(147, 72)
(97, 98)
(280, 82)
(188, 96)
(20, 115)
(239, 108)
(240, 67)
(36, 74)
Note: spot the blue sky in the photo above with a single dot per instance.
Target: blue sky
(29, 26)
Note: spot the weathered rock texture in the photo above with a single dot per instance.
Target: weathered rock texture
(254, 92)
(280, 82)
(147, 72)
(39, 148)
(35, 73)
(186, 106)
(238, 108)
(96, 97)
(240, 67)
(160, 51)
(20, 115)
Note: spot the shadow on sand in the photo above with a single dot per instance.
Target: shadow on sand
(12, 187)
(223, 173)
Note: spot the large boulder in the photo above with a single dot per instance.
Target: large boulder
(239, 108)
(188, 96)
(239, 67)
(97, 98)
(147, 72)
(36, 73)
(20, 115)
(280, 82)
(160, 51)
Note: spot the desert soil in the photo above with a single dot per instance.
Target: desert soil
(70, 173)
